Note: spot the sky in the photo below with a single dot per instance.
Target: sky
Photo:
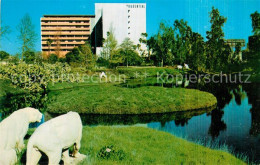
(195, 12)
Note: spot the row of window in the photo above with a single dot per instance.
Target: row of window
(135, 6)
(65, 26)
(68, 40)
(68, 16)
(63, 31)
(61, 45)
(65, 36)
(64, 21)
(53, 50)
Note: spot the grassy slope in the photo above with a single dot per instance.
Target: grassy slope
(147, 146)
(109, 99)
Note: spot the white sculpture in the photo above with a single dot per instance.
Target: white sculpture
(72, 160)
(103, 74)
(8, 157)
(179, 67)
(52, 137)
(13, 129)
(186, 66)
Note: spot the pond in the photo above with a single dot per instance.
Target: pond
(235, 121)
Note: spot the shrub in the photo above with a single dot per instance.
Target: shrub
(29, 57)
(110, 152)
(53, 58)
(32, 76)
(3, 55)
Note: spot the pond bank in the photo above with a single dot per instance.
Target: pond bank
(109, 99)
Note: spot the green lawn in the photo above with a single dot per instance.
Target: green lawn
(146, 146)
(109, 99)
(140, 145)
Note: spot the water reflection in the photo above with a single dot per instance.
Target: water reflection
(180, 118)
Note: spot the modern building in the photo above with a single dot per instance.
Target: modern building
(124, 19)
(61, 33)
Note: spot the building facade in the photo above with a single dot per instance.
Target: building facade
(123, 19)
(61, 33)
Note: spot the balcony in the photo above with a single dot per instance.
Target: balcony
(65, 19)
(65, 33)
(64, 28)
(64, 23)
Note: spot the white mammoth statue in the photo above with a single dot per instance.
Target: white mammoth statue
(13, 130)
(179, 67)
(52, 137)
(8, 157)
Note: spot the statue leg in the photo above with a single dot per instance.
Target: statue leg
(33, 156)
(54, 157)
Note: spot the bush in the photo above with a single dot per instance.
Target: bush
(32, 76)
(110, 152)
(29, 57)
(3, 55)
(53, 58)
(102, 62)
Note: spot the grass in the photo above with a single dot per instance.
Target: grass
(109, 99)
(147, 146)
(87, 80)
(6, 88)
(139, 145)
(147, 71)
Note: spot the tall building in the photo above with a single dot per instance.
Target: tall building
(124, 19)
(61, 33)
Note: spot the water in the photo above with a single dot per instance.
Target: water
(235, 121)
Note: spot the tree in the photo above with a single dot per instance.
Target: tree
(49, 42)
(215, 45)
(73, 56)
(29, 57)
(182, 44)
(162, 44)
(142, 41)
(255, 23)
(27, 35)
(86, 55)
(252, 56)
(126, 46)
(238, 51)
(53, 58)
(197, 57)
(57, 40)
(3, 55)
(81, 55)
(3, 31)
(109, 45)
(128, 53)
